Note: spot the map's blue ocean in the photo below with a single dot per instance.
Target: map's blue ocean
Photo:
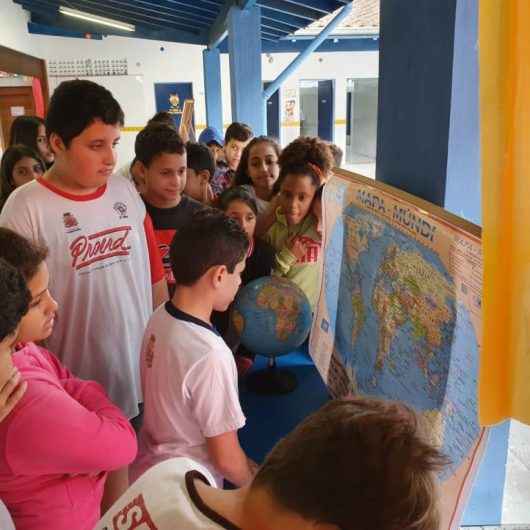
(398, 328)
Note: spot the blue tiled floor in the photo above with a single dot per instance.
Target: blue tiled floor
(271, 417)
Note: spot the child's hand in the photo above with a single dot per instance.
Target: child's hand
(11, 393)
(297, 247)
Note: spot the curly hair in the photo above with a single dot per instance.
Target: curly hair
(242, 177)
(21, 253)
(14, 298)
(306, 156)
(308, 150)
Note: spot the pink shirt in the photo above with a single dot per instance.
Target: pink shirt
(57, 445)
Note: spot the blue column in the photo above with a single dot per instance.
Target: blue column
(462, 191)
(211, 61)
(415, 79)
(244, 48)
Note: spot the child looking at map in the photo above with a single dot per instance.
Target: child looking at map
(294, 232)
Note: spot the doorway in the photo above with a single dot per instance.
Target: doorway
(14, 101)
(18, 96)
(317, 108)
(361, 120)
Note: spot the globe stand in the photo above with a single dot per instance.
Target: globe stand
(272, 380)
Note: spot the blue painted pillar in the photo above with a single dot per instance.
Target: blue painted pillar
(244, 48)
(415, 79)
(462, 190)
(211, 62)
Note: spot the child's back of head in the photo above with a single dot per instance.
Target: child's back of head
(210, 239)
(359, 464)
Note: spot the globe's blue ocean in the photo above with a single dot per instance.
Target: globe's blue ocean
(274, 316)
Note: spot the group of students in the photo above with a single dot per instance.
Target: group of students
(86, 259)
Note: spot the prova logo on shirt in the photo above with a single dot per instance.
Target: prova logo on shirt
(86, 250)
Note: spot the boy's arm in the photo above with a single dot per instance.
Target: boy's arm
(229, 459)
(158, 280)
(211, 387)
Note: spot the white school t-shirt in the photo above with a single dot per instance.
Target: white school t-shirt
(165, 498)
(99, 275)
(189, 383)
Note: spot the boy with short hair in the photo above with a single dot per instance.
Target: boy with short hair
(201, 167)
(189, 376)
(105, 268)
(355, 464)
(130, 169)
(237, 136)
(161, 155)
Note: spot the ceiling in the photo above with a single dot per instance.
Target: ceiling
(189, 21)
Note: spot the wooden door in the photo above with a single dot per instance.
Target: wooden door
(14, 101)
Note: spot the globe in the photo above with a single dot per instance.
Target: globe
(272, 316)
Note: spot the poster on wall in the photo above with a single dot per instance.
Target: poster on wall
(400, 316)
(170, 97)
(289, 106)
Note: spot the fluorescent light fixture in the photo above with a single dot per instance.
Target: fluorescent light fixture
(97, 19)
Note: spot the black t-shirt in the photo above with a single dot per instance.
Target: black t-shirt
(167, 221)
(260, 263)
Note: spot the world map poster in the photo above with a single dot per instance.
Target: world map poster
(399, 316)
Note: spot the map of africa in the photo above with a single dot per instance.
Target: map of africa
(399, 313)
(271, 315)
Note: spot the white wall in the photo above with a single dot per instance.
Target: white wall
(14, 29)
(181, 63)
